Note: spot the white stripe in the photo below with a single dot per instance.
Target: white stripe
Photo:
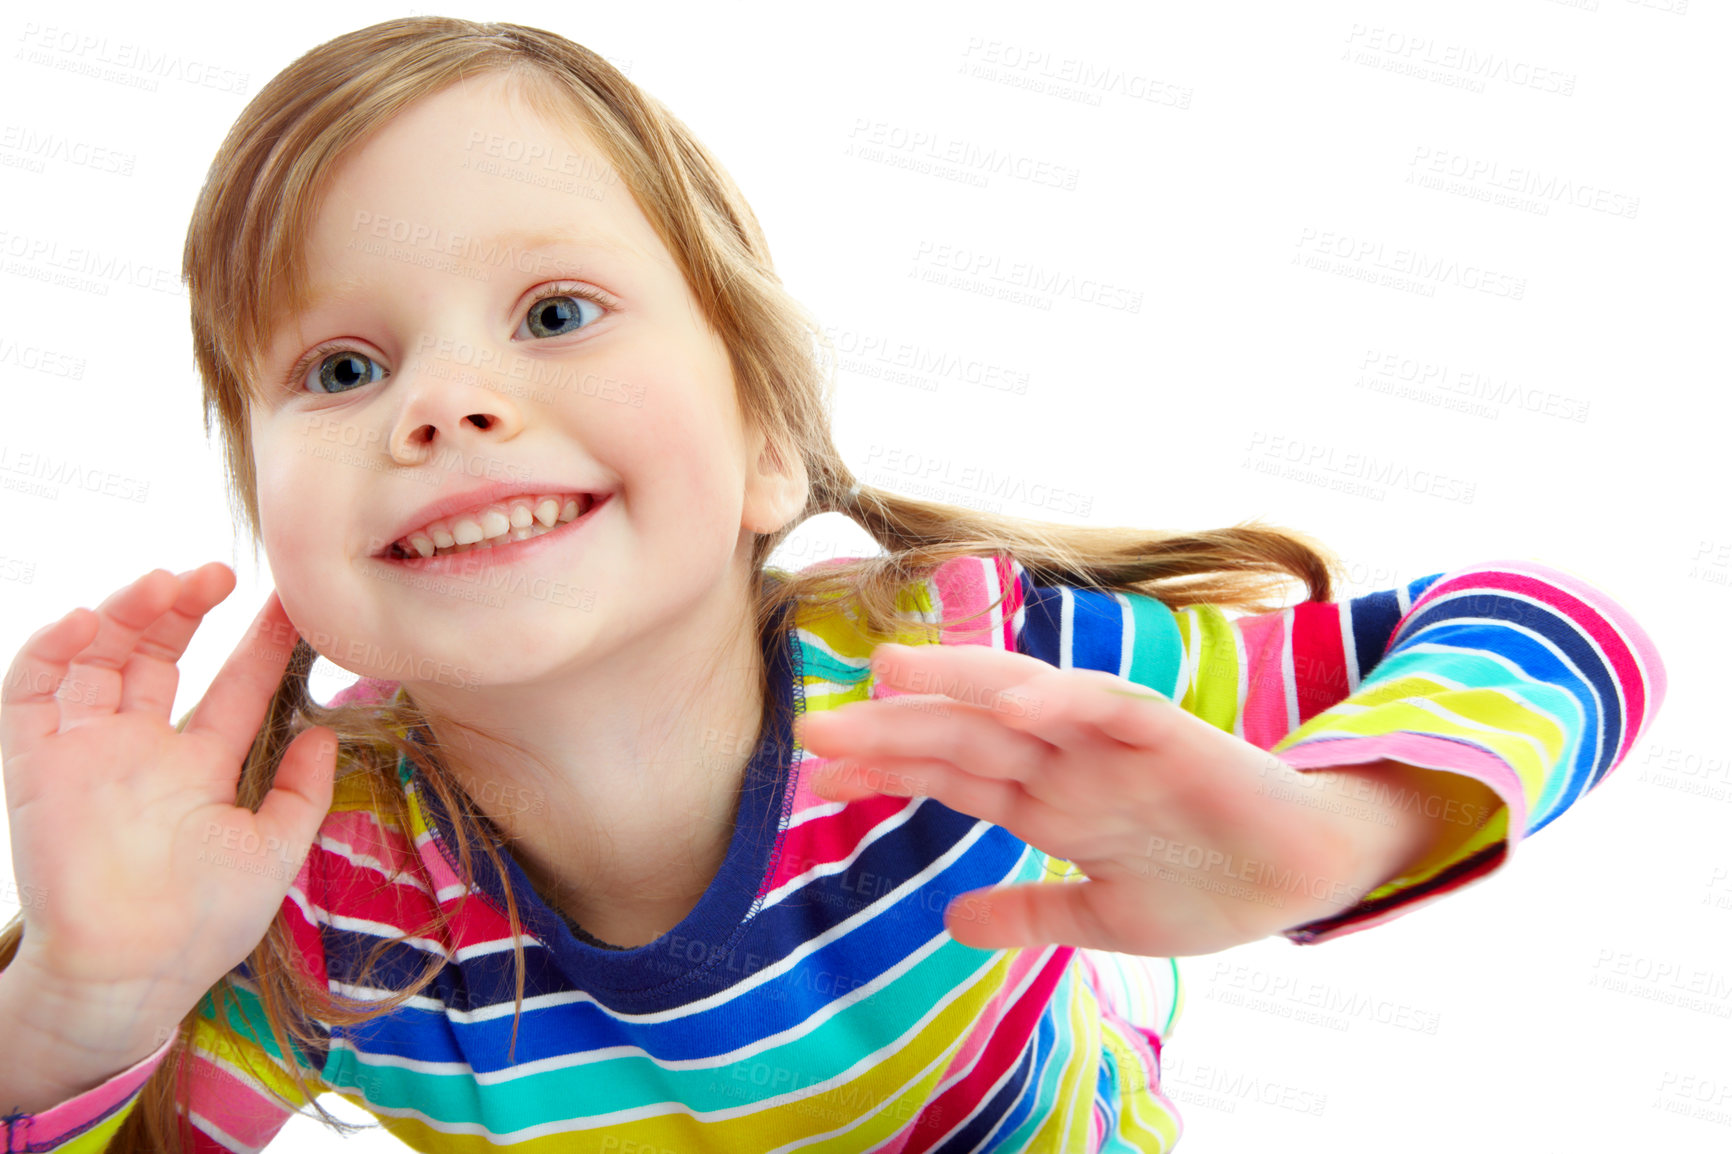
(1127, 635)
(1289, 674)
(891, 1096)
(1599, 730)
(1066, 623)
(1188, 655)
(220, 1136)
(1241, 687)
(825, 869)
(361, 860)
(813, 812)
(1348, 649)
(1005, 1006)
(1011, 1068)
(995, 615)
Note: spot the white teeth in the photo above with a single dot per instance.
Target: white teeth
(515, 520)
(467, 530)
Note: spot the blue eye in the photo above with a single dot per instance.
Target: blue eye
(343, 370)
(559, 314)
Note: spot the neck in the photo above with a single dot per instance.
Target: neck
(620, 792)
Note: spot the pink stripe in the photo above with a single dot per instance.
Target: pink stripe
(962, 592)
(363, 833)
(1264, 718)
(1004, 1050)
(364, 690)
(992, 1012)
(236, 1108)
(1010, 579)
(829, 839)
(1595, 614)
(986, 1022)
(59, 1124)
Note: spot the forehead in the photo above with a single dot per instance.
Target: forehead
(473, 181)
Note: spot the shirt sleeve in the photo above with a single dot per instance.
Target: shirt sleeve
(232, 1076)
(1513, 673)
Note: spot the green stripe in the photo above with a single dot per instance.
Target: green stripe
(630, 1081)
(1157, 650)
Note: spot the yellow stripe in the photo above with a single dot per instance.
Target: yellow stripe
(1520, 727)
(97, 1138)
(767, 1129)
(1212, 660)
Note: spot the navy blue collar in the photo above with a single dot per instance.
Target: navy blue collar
(720, 918)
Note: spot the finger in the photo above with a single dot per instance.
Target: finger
(29, 709)
(152, 674)
(927, 725)
(234, 707)
(1027, 694)
(300, 796)
(998, 802)
(95, 677)
(972, 673)
(1033, 914)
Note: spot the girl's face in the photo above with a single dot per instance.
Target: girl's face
(452, 354)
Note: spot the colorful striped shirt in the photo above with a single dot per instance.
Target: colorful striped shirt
(813, 1000)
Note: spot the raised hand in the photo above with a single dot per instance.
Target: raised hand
(145, 881)
(1191, 838)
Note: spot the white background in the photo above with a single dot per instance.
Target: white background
(1273, 134)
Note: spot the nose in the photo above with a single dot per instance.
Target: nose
(449, 410)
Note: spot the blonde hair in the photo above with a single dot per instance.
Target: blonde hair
(244, 265)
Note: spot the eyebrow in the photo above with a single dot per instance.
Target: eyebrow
(493, 251)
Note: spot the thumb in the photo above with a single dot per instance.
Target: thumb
(300, 796)
(1032, 914)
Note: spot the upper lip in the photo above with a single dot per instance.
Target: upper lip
(467, 499)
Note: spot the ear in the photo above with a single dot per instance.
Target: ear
(776, 486)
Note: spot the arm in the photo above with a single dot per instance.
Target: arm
(1491, 698)
(1508, 689)
(65, 1098)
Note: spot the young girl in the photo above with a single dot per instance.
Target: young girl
(625, 841)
